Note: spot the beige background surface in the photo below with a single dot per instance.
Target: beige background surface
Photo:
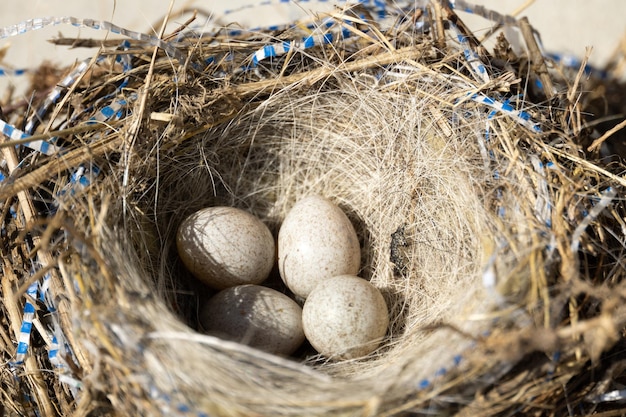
(565, 25)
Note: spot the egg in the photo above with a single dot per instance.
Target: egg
(316, 241)
(345, 317)
(255, 316)
(225, 247)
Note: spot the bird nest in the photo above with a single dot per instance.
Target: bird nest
(486, 215)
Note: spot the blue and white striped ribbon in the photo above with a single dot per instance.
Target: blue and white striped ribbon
(543, 206)
(427, 383)
(478, 68)
(57, 341)
(53, 353)
(46, 298)
(27, 324)
(39, 23)
(80, 179)
(127, 64)
(42, 146)
(55, 94)
(169, 407)
(84, 175)
(607, 197)
(13, 72)
(572, 62)
(281, 48)
(493, 113)
(113, 112)
(543, 203)
(520, 116)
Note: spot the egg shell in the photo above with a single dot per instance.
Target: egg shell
(255, 316)
(345, 317)
(225, 247)
(316, 241)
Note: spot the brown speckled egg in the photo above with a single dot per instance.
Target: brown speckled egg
(255, 316)
(225, 247)
(316, 241)
(345, 317)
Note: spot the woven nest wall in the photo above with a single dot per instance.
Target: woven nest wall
(485, 195)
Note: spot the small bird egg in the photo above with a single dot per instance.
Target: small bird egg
(255, 316)
(226, 246)
(345, 317)
(316, 241)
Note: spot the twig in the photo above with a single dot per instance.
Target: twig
(536, 58)
(182, 27)
(86, 42)
(598, 142)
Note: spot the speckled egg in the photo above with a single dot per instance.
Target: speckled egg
(255, 316)
(225, 247)
(345, 317)
(316, 241)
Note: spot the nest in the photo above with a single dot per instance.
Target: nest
(487, 218)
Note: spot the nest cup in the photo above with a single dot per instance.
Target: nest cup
(412, 194)
(450, 204)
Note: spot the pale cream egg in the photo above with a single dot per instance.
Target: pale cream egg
(255, 316)
(225, 247)
(316, 241)
(345, 317)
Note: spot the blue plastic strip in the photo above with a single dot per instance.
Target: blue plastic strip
(39, 23)
(27, 325)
